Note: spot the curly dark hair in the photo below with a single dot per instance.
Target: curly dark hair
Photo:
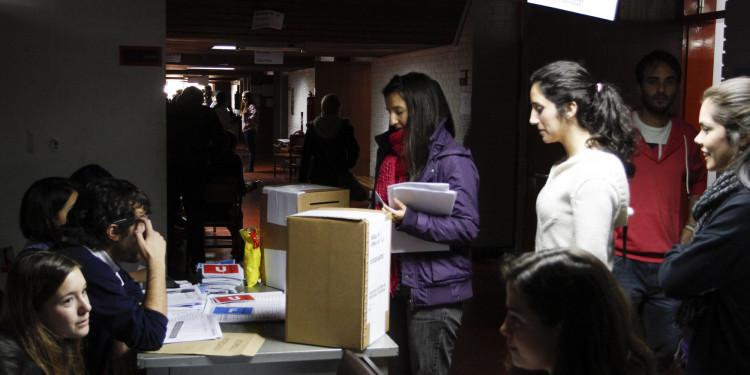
(601, 110)
(100, 204)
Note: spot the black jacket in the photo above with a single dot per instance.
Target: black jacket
(14, 360)
(330, 149)
(716, 265)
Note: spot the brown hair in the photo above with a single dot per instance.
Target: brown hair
(32, 281)
(573, 290)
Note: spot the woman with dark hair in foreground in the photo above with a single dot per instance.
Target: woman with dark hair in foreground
(568, 315)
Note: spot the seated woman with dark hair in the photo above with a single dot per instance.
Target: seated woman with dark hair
(45, 316)
(44, 210)
(568, 315)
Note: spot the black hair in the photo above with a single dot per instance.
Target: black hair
(191, 96)
(40, 206)
(221, 97)
(601, 110)
(100, 204)
(90, 172)
(427, 106)
(654, 58)
(330, 105)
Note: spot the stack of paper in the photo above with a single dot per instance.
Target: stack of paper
(222, 278)
(246, 307)
(190, 325)
(433, 198)
(186, 297)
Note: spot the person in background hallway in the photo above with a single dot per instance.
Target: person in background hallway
(427, 288)
(567, 315)
(44, 210)
(228, 168)
(45, 316)
(223, 111)
(249, 118)
(586, 194)
(710, 273)
(195, 139)
(330, 150)
(207, 95)
(666, 160)
(89, 172)
(109, 225)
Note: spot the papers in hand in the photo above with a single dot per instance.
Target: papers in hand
(428, 197)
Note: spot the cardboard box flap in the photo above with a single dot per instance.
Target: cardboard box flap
(289, 199)
(346, 214)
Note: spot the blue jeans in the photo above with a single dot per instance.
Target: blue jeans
(425, 336)
(640, 281)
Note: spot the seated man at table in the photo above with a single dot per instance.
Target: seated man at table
(109, 225)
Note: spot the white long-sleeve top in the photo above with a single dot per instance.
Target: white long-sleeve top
(584, 199)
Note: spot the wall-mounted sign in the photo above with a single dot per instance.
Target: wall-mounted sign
(172, 58)
(605, 9)
(269, 57)
(268, 19)
(140, 55)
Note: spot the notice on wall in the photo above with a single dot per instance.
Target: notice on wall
(269, 57)
(605, 9)
(464, 106)
(268, 19)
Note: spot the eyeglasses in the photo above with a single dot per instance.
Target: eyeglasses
(122, 221)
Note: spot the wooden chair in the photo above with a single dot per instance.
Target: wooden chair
(288, 157)
(223, 208)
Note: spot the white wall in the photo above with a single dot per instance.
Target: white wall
(303, 82)
(61, 79)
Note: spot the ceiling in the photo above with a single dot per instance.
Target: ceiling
(344, 29)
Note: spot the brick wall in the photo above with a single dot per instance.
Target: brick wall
(442, 64)
(303, 82)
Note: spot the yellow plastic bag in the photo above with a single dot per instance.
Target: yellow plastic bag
(252, 255)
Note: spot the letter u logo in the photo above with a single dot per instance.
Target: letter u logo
(221, 269)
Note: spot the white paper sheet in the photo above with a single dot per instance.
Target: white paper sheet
(191, 325)
(430, 198)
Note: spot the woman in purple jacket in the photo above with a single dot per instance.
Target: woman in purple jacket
(427, 288)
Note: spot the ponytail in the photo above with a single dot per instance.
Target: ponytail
(610, 125)
(601, 110)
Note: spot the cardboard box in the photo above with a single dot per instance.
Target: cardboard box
(338, 277)
(279, 202)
